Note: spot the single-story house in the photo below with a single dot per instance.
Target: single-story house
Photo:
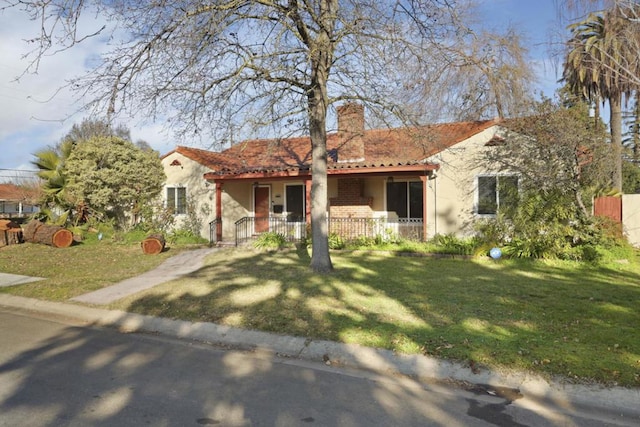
(417, 182)
(16, 201)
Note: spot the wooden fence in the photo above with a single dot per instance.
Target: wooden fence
(610, 207)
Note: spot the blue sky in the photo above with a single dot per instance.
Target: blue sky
(37, 113)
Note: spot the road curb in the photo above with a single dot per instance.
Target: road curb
(570, 397)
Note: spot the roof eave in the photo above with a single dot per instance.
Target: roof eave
(417, 169)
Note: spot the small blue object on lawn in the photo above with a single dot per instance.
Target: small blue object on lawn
(495, 253)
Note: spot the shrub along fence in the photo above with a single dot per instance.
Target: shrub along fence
(625, 210)
(248, 228)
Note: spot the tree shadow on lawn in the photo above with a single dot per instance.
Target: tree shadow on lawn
(575, 321)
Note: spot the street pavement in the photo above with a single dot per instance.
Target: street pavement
(623, 402)
(57, 373)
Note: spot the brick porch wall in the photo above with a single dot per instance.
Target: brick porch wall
(350, 201)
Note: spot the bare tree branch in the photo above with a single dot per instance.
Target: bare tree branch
(233, 66)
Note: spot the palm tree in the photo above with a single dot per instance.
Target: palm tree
(597, 66)
(50, 163)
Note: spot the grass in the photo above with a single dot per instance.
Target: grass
(556, 318)
(73, 271)
(568, 319)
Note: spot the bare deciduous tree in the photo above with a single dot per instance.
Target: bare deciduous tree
(487, 75)
(229, 66)
(90, 128)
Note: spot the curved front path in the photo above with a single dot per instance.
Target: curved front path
(173, 268)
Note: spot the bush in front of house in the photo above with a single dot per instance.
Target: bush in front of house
(551, 228)
(336, 241)
(270, 240)
(452, 244)
(183, 236)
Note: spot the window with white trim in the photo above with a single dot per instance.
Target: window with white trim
(494, 191)
(177, 200)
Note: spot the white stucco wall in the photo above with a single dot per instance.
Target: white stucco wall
(237, 202)
(631, 218)
(451, 195)
(189, 174)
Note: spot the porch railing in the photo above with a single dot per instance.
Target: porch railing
(249, 228)
(374, 228)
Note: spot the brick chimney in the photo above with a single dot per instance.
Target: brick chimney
(350, 132)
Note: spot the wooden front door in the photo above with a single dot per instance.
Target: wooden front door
(261, 201)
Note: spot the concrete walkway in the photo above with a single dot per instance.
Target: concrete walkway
(7, 279)
(173, 268)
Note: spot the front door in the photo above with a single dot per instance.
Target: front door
(261, 201)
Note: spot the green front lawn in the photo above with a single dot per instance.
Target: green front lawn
(75, 270)
(571, 319)
(557, 318)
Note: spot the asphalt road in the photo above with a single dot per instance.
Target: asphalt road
(56, 373)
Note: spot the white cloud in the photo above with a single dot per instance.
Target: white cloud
(38, 110)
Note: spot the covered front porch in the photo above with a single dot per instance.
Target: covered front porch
(377, 203)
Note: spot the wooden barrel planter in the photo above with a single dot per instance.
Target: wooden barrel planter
(52, 235)
(153, 244)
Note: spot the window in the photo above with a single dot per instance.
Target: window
(177, 200)
(405, 199)
(9, 207)
(294, 198)
(494, 191)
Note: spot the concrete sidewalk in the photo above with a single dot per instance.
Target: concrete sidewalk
(184, 263)
(7, 279)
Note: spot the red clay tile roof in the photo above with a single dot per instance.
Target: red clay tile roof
(210, 159)
(383, 148)
(13, 193)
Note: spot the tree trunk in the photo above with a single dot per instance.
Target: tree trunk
(636, 130)
(321, 54)
(615, 105)
(10, 232)
(320, 258)
(153, 244)
(52, 235)
(581, 206)
(7, 224)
